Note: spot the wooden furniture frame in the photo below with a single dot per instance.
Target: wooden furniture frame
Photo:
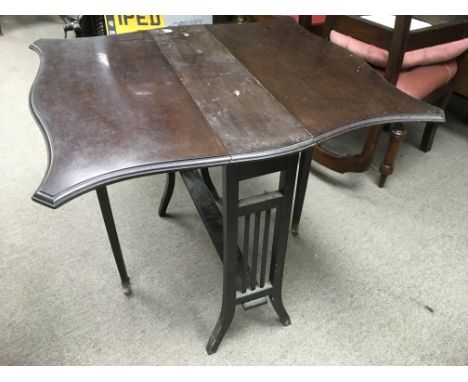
(192, 97)
(397, 42)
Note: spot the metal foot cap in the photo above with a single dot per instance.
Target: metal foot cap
(127, 288)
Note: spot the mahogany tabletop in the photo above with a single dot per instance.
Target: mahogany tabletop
(196, 96)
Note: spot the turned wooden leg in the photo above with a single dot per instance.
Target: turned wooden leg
(397, 135)
(428, 136)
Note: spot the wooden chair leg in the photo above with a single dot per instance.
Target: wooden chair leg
(431, 128)
(428, 136)
(397, 135)
(350, 163)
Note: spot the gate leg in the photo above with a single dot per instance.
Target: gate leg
(103, 198)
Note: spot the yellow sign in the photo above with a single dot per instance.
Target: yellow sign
(118, 24)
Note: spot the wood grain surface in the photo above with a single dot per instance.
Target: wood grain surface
(329, 90)
(188, 97)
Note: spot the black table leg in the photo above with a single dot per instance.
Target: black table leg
(280, 241)
(302, 179)
(106, 210)
(245, 271)
(205, 172)
(168, 191)
(230, 222)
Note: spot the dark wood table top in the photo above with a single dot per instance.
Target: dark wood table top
(117, 107)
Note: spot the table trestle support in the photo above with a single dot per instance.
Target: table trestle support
(253, 268)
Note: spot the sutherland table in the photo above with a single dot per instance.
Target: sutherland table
(252, 98)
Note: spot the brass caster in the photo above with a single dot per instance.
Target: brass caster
(127, 288)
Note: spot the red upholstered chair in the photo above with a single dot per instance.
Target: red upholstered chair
(422, 70)
(423, 64)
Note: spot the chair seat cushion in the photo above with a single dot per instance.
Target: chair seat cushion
(379, 57)
(421, 81)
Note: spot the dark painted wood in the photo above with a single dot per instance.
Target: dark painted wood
(104, 204)
(252, 91)
(256, 236)
(129, 114)
(206, 207)
(210, 215)
(266, 235)
(240, 266)
(266, 201)
(301, 188)
(245, 116)
(280, 237)
(205, 173)
(229, 252)
(183, 99)
(327, 89)
(245, 253)
(167, 195)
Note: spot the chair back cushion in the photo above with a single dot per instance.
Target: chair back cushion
(379, 57)
(421, 81)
